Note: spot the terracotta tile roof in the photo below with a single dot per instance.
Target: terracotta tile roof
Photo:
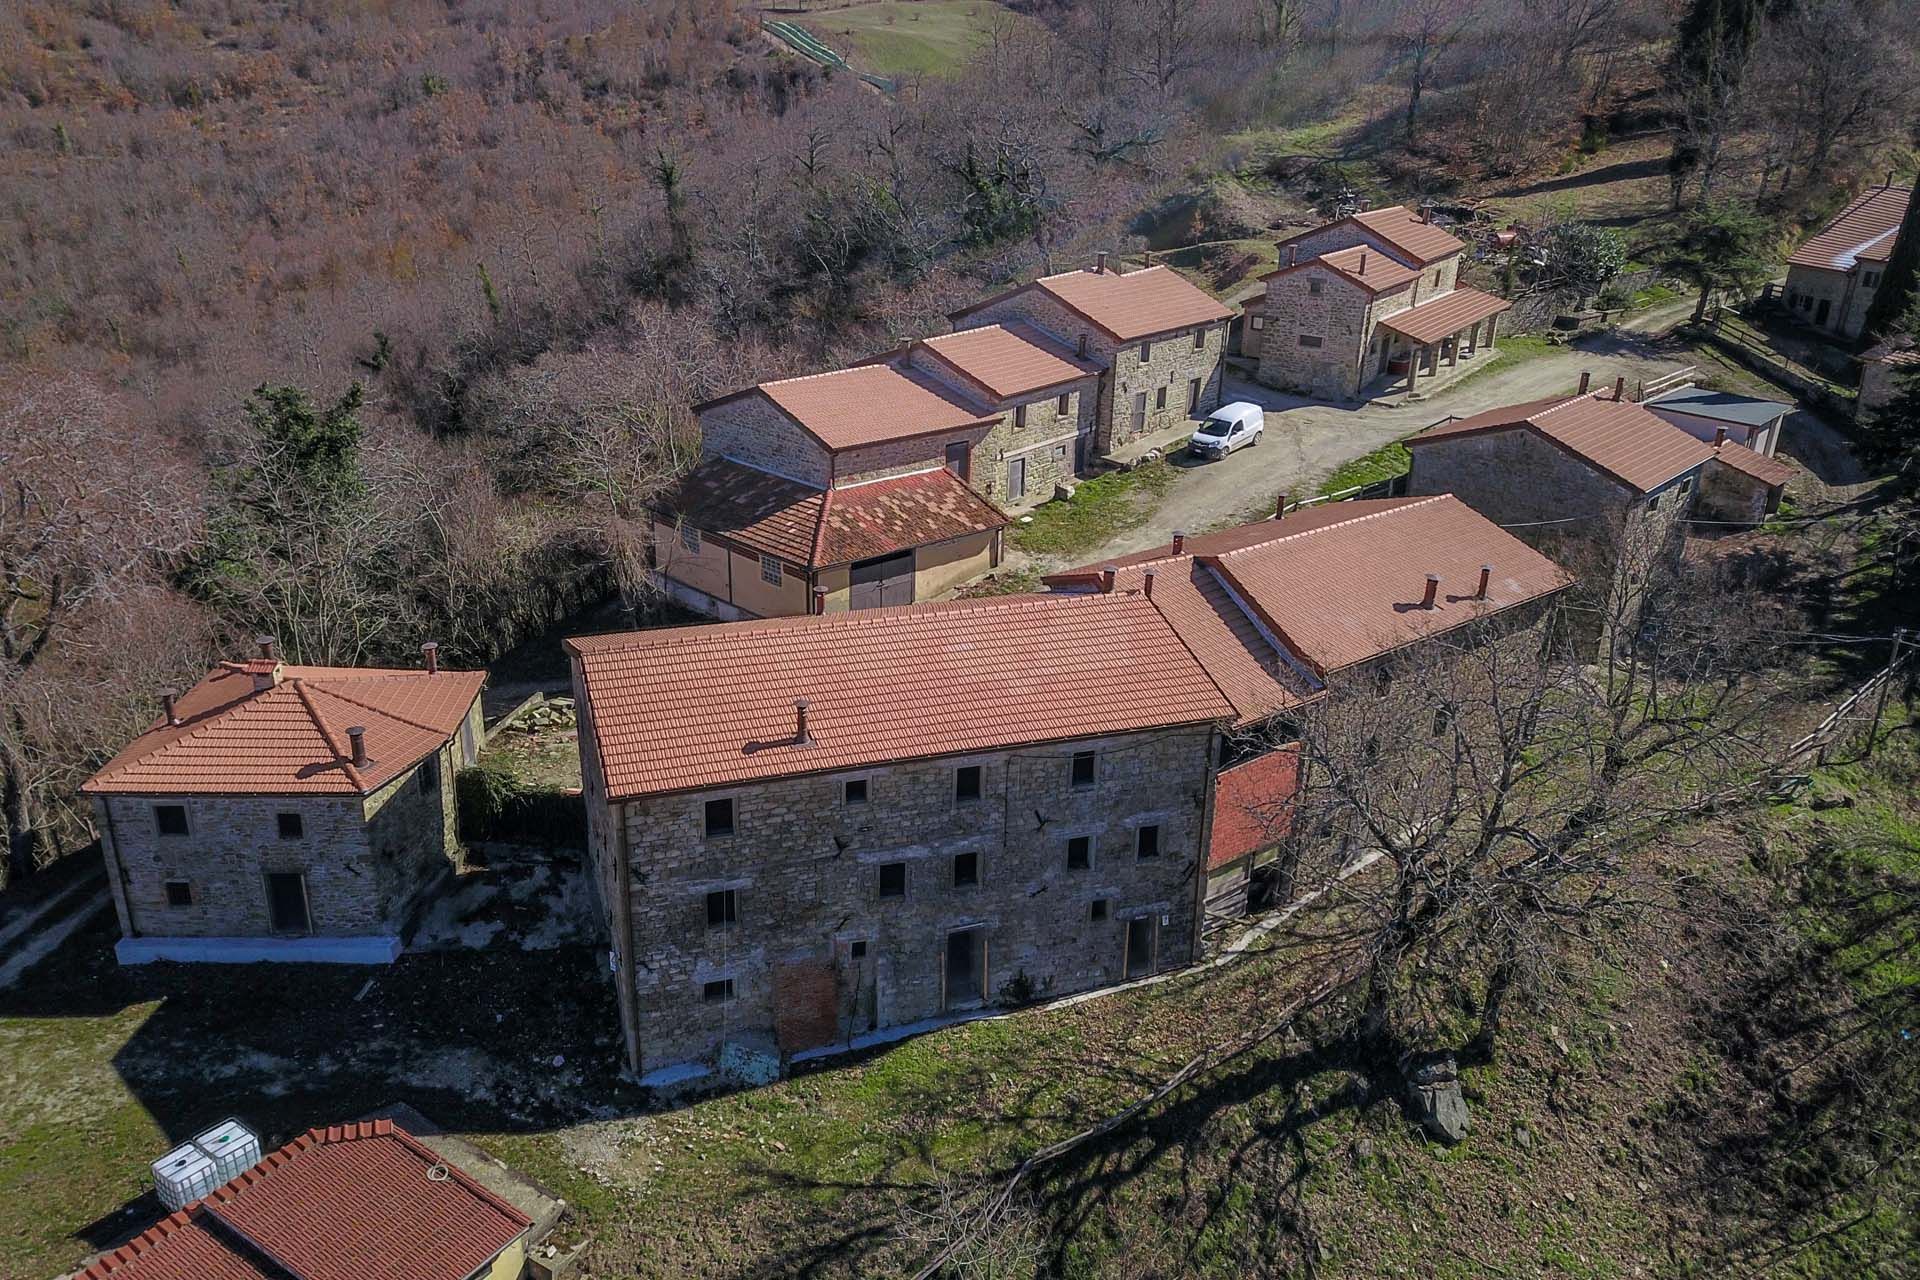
(1253, 806)
(764, 513)
(1367, 267)
(1240, 535)
(1128, 306)
(1348, 592)
(1768, 471)
(1624, 439)
(352, 1202)
(1897, 350)
(868, 404)
(1864, 232)
(1402, 228)
(710, 706)
(1447, 314)
(1250, 670)
(883, 516)
(291, 737)
(1010, 360)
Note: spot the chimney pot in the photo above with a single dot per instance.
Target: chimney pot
(357, 735)
(1083, 346)
(800, 734)
(1586, 380)
(1719, 436)
(1107, 576)
(168, 699)
(268, 646)
(1146, 584)
(1363, 262)
(1486, 576)
(1280, 505)
(431, 652)
(1433, 589)
(819, 600)
(1620, 388)
(1293, 254)
(1100, 262)
(1179, 541)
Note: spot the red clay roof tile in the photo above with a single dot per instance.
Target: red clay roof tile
(1626, 440)
(708, 706)
(291, 737)
(1449, 313)
(765, 513)
(1863, 232)
(868, 404)
(881, 517)
(365, 1201)
(1767, 470)
(1010, 360)
(1253, 806)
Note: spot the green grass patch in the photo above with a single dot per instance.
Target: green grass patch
(1098, 509)
(1384, 463)
(908, 37)
(1514, 349)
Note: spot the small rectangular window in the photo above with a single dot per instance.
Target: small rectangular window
(1199, 339)
(1653, 503)
(893, 879)
(170, 819)
(1099, 911)
(1146, 352)
(179, 893)
(429, 775)
(717, 992)
(1019, 416)
(1258, 322)
(1309, 340)
(1314, 287)
(689, 538)
(721, 909)
(719, 818)
(770, 570)
(966, 783)
(1064, 405)
(291, 826)
(1160, 398)
(1083, 768)
(856, 791)
(1079, 853)
(858, 950)
(1686, 486)
(966, 870)
(1146, 841)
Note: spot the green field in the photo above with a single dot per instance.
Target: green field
(908, 37)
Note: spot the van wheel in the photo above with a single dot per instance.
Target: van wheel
(1256, 438)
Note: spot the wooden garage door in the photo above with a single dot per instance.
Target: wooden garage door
(882, 581)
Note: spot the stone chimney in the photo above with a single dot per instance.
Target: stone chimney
(1486, 577)
(357, 735)
(1433, 589)
(1586, 380)
(430, 651)
(1280, 505)
(169, 698)
(1719, 436)
(1107, 575)
(800, 734)
(1179, 541)
(1100, 262)
(269, 647)
(265, 673)
(1146, 584)
(1620, 388)
(906, 354)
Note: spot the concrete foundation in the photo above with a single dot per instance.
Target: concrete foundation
(368, 950)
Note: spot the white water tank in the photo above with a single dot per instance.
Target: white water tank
(212, 1159)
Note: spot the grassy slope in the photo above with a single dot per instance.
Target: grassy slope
(1099, 509)
(906, 37)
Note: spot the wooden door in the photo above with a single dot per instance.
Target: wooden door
(1139, 412)
(1016, 479)
(287, 902)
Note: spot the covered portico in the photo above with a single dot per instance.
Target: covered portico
(1436, 338)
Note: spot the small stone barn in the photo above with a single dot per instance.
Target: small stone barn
(285, 812)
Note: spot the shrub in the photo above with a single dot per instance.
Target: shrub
(494, 804)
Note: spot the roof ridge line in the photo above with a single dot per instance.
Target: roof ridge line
(326, 734)
(188, 728)
(327, 687)
(1323, 528)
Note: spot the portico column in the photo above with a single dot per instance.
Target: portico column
(1473, 339)
(1493, 322)
(1453, 359)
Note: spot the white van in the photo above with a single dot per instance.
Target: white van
(1227, 428)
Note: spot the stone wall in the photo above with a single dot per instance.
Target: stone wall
(750, 428)
(1514, 477)
(1340, 315)
(365, 861)
(1843, 292)
(1732, 495)
(804, 868)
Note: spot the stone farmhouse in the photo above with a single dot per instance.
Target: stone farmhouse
(1595, 479)
(365, 1199)
(1362, 303)
(1159, 342)
(806, 830)
(282, 812)
(1831, 279)
(1287, 611)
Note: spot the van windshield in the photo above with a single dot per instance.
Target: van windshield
(1212, 427)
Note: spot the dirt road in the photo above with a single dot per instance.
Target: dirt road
(1305, 440)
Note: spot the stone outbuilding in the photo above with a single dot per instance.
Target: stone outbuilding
(1880, 367)
(285, 812)
(1368, 304)
(1831, 279)
(1158, 341)
(1711, 415)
